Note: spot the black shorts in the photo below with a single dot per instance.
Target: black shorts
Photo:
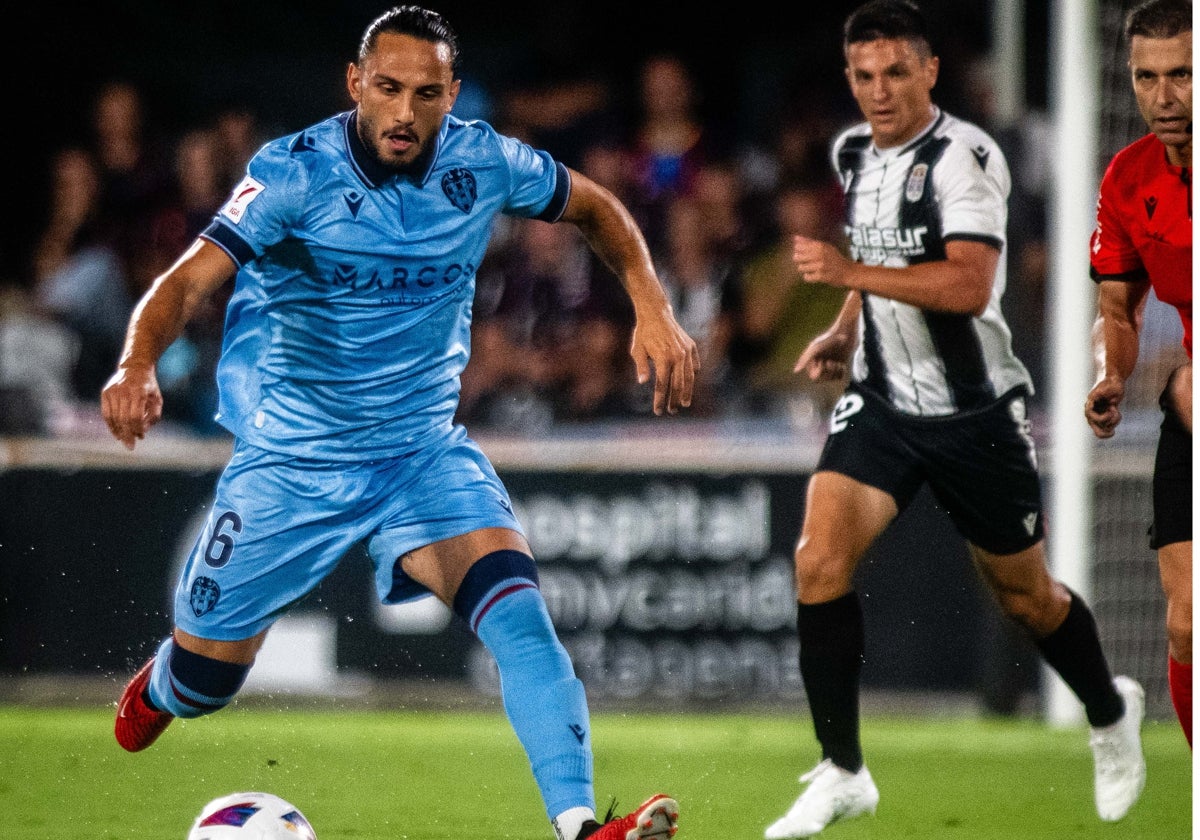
(1172, 479)
(980, 465)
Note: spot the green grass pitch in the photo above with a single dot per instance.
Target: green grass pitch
(418, 775)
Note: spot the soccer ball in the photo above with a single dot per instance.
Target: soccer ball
(251, 816)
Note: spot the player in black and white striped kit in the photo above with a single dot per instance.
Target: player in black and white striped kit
(935, 397)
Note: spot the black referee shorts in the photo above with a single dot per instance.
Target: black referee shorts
(1172, 478)
(980, 465)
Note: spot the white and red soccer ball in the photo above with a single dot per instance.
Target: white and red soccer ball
(251, 816)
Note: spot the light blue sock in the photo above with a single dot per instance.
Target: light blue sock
(159, 688)
(545, 702)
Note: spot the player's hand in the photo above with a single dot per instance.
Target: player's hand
(819, 262)
(131, 403)
(827, 357)
(1103, 406)
(660, 343)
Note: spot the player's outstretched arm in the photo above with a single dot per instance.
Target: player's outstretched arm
(1115, 350)
(658, 340)
(131, 401)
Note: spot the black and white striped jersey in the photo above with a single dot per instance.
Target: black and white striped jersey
(902, 206)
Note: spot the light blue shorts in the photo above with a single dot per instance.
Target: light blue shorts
(280, 524)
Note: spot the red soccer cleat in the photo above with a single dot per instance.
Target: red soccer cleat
(654, 818)
(137, 724)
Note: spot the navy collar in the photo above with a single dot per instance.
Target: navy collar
(925, 133)
(938, 117)
(373, 173)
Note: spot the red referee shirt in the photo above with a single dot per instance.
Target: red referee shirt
(1144, 226)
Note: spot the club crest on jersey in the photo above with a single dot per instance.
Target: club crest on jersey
(915, 187)
(243, 194)
(459, 187)
(205, 594)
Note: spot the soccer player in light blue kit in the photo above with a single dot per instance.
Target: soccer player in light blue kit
(355, 243)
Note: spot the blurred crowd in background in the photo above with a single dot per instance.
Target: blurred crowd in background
(552, 325)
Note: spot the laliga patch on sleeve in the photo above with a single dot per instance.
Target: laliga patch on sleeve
(243, 194)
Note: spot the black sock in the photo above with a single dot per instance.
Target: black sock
(1073, 650)
(831, 656)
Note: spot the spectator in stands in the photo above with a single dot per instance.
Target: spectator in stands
(37, 359)
(187, 368)
(609, 163)
(197, 190)
(797, 149)
(135, 176)
(549, 335)
(718, 191)
(772, 314)
(695, 263)
(238, 136)
(564, 116)
(80, 279)
(669, 141)
(88, 253)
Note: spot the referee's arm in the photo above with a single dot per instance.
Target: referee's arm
(1120, 306)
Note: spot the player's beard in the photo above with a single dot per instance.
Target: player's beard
(374, 139)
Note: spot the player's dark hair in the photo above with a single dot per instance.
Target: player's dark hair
(1159, 19)
(416, 21)
(887, 19)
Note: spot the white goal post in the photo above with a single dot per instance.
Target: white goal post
(1074, 94)
(1099, 504)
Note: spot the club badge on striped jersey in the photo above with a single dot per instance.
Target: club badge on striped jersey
(915, 188)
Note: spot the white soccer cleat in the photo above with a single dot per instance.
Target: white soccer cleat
(1120, 766)
(832, 794)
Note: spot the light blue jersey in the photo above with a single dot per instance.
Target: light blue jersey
(345, 337)
(344, 340)
(350, 320)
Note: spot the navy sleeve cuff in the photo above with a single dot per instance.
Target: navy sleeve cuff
(228, 240)
(562, 192)
(994, 241)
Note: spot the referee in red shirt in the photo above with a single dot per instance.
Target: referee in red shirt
(1143, 240)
